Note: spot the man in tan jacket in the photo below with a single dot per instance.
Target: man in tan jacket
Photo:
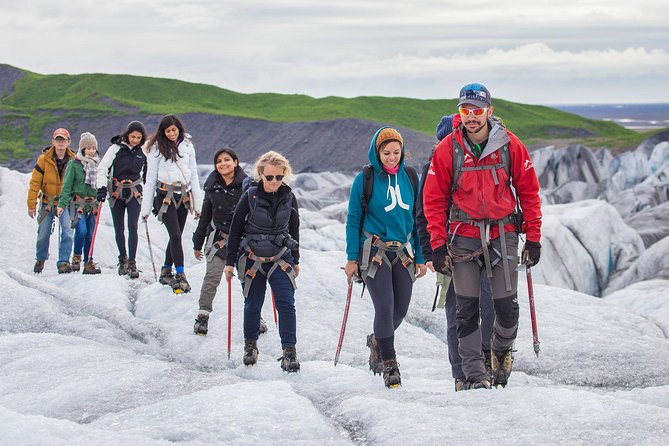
(45, 185)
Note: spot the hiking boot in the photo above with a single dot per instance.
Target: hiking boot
(165, 275)
(180, 284)
(122, 265)
(391, 373)
(39, 266)
(133, 273)
(201, 324)
(263, 326)
(502, 363)
(476, 383)
(76, 262)
(459, 384)
(487, 358)
(250, 352)
(64, 268)
(91, 268)
(289, 362)
(375, 361)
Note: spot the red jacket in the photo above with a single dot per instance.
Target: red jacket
(477, 194)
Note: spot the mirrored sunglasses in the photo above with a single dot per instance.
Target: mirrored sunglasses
(473, 111)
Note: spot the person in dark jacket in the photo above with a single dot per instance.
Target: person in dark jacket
(444, 128)
(222, 191)
(121, 173)
(265, 232)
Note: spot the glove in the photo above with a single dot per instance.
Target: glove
(531, 253)
(102, 194)
(442, 261)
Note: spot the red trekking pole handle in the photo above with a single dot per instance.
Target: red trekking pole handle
(229, 314)
(95, 231)
(533, 314)
(343, 323)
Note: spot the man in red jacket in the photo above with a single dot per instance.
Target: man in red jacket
(470, 205)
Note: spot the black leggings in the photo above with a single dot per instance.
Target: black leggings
(118, 212)
(174, 220)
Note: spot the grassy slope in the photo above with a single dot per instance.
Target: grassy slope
(37, 96)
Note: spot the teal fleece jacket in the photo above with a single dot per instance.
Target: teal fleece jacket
(390, 211)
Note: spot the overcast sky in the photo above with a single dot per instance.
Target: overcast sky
(539, 52)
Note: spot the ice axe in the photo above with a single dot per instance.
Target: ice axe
(95, 231)
(229, 280)
(533, 314)
(148, 239)
(343, 323)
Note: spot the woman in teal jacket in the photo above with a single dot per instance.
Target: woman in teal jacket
(79, 193)
(382, 246)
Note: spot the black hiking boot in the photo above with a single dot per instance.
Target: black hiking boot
(39, 266)
(166, 275)
(91, 268)
(487, 361)
(180, 284)
(64, 268)
(289, 362)
(250, 352)
(263, 326)
(122, 265)
(76, 262)
(375, 361)
(201, 326)
(477, 383)
(459, 384)
(391, 373)
(502, 363)
(133, 272)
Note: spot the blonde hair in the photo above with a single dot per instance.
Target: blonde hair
(275, 159)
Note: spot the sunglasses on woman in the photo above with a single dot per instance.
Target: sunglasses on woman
(271, 177)
(473, 111)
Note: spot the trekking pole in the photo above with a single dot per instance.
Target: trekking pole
(533, 315)
(229, 314)
(436, 297)
(343, 323)
(95, 231)
(276, 323)
(148, 239)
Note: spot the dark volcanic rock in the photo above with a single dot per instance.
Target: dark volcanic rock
(8, 76)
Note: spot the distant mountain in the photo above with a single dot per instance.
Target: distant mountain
(330, 133)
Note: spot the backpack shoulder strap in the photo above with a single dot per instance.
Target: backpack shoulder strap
(413, 177)
(367, 186)
(458, 155)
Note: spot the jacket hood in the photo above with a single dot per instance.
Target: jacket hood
(214, 180)
(374, 159)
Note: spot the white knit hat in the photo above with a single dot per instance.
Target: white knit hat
(88, 140)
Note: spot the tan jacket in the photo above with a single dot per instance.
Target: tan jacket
(45, 177)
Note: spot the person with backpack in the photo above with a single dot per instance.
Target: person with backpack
(265, 235)
(447, 293)
(172, 189)
(121, 173)
(476, 170)
(382, 245)
(78, 195)
(46, 182)
(222, 191)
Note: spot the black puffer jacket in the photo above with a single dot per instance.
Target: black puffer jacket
(219, 205)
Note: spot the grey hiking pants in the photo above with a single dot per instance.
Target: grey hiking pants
(487, 321)
(467, 282)
(212, 279)
(390, 290)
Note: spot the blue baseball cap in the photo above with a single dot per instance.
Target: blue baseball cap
(475, 94)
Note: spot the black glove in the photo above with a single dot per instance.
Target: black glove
(442, 261)
(102, 194)
(531, 253)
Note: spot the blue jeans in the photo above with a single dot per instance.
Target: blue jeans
(83, 234)
(44, 234)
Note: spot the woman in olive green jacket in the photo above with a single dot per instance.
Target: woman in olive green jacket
(79, 193)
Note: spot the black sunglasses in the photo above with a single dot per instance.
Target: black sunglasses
(271, 177)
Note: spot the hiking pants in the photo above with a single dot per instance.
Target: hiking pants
(390, 290)
(118, 212)
(284, 298)
(467, 282)
(487, 321)
(212, 279)
(83, 234)
(44, 234)
(175, 221)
